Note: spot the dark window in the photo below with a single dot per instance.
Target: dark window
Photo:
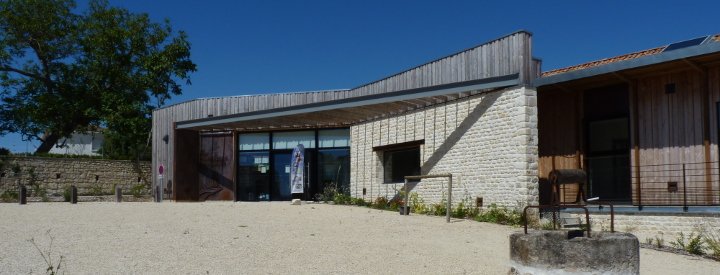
(400, 163)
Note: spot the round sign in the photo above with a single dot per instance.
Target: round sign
(161, 169)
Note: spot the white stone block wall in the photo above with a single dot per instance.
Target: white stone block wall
(667, 226)
(487, 141)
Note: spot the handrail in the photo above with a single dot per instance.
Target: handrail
(449, 201)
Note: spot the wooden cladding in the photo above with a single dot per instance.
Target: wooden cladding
(673, 133)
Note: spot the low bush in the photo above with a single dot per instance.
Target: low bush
(341, 198)
(464, 210)
(9, 196)
(500, 215)
(694, 244)
(138, 190)
(67, 193)
(713, 244)
(380, 203)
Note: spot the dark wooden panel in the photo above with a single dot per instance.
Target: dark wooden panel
(185, 181)
(216, 167)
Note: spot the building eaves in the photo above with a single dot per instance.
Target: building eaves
(627, 61)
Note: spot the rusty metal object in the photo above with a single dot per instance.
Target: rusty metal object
(556, 208)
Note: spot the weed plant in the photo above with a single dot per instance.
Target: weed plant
(713, 244)
(694, 244)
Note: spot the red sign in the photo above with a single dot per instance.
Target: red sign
(161, 169)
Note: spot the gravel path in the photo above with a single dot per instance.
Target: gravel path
(231, 238)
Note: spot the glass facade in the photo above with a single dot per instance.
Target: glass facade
(264, 163)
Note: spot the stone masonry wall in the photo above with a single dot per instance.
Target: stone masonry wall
(662, 225)
(91, 176)
(487, 141)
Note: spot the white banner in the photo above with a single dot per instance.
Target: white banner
(297, 165)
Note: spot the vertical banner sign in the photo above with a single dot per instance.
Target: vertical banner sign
(297, 163)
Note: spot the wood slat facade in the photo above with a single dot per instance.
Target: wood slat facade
(673, 130)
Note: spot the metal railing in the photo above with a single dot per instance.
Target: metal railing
(684, 184)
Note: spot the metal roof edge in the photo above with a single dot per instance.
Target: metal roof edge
(662, 57)
(457, 87)
(251, 95)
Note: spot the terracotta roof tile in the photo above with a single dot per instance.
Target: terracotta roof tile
(715, 38)
(604, 61)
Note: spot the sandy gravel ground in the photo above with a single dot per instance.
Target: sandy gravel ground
(242, 238)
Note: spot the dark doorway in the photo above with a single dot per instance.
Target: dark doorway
(607, 143)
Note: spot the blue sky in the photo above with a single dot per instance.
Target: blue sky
(249, 47)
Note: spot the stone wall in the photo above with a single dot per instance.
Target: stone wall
(487, 141)
(663, 225)
(91, 176)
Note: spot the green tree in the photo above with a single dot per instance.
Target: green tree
(63, 71)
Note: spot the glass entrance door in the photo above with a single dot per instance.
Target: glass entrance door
(280, 187)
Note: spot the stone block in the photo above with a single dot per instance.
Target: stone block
(552, 252)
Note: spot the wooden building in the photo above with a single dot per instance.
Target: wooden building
(642, 125)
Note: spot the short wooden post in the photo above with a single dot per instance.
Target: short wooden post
(22, 195)
(73, 194)
(118, 194)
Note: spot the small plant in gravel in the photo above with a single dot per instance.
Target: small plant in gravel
(464, 209)
(67, 193)
(380, 203)
(358, 202)
(138, 190)
(417, 204)
(37, 189)
(52, 266)
(659, 241)
(9, 196)
(500, 215)
(694, 244)
(713, 244)
(342, 198)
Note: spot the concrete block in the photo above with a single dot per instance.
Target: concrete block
(296, 202)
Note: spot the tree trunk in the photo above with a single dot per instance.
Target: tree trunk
(50, 141)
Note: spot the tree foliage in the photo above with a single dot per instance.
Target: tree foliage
(63, 71)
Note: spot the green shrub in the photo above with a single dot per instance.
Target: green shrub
(358, 202)
(341, 198)
(500, 215)
(395, 203)
(4, 151)
(464, 210)
(9, 196)
(380, 203)
(439, 209)
(67, 193)
(138, 190)
(417, 204)
(96, 190)
(693, 245)
(713, 244)
(328, 193)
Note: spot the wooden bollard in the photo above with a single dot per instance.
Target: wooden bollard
(22, 195)
(118, 194)
(73, 194)
(158, 194)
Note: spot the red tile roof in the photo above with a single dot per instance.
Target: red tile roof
(601, 62)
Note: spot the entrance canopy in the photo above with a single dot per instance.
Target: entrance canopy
(349, 111)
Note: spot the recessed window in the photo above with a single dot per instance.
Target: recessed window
(400, 163)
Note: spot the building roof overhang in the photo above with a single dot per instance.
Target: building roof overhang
(345, 112)
(625, 65)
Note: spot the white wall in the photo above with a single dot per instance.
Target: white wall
(487, 141)
(80, 144)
